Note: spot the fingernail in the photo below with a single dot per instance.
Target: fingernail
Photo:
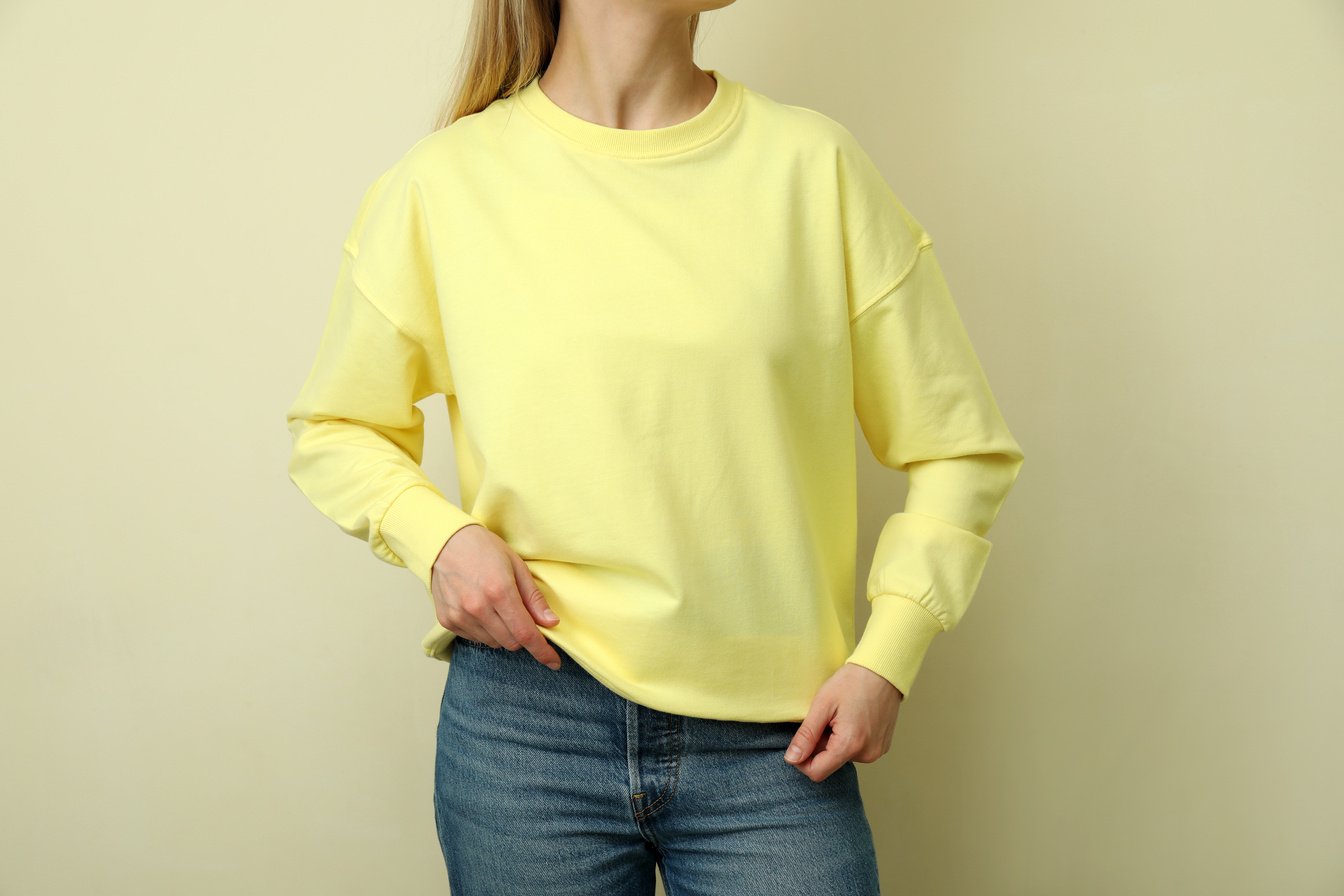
(794, 753)
(550, 616)
(554, 666)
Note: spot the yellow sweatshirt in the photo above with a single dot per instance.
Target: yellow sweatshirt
(653, 345)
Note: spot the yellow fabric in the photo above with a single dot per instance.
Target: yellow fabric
(653, 345)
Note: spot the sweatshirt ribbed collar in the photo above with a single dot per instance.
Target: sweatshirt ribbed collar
(707, 124)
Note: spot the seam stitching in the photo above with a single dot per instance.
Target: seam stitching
(359, 287)
(924, 243)
(383, 517)
(916, 600)
(712, 136)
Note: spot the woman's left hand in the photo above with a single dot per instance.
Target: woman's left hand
(851, 717)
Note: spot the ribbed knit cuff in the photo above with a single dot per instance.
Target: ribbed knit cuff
(896, 639)
(418, 524)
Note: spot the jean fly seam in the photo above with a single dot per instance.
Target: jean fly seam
(666, 793)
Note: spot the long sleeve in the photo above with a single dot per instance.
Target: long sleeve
(925, 408)
(357, 436)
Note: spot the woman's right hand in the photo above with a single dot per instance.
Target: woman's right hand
(483, 591)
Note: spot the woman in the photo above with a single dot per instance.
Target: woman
(654, 300)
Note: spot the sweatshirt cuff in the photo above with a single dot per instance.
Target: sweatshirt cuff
(416, 526)
(896, 639)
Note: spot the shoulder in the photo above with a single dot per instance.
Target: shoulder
(430, 155)
(804, 128)
(470, 134)
(833, 153)
(397, 197)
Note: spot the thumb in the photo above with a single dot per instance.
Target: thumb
(810, 730)
(533, 599)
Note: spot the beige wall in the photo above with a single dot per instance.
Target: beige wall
(209, 689)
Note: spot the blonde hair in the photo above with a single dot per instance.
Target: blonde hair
(509, 42)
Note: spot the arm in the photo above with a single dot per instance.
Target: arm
(357, 436)
(926, 409)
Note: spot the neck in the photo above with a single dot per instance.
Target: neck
(625, 66)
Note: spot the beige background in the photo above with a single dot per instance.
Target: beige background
(209, 689)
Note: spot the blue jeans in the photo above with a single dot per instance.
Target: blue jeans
(547, 783)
